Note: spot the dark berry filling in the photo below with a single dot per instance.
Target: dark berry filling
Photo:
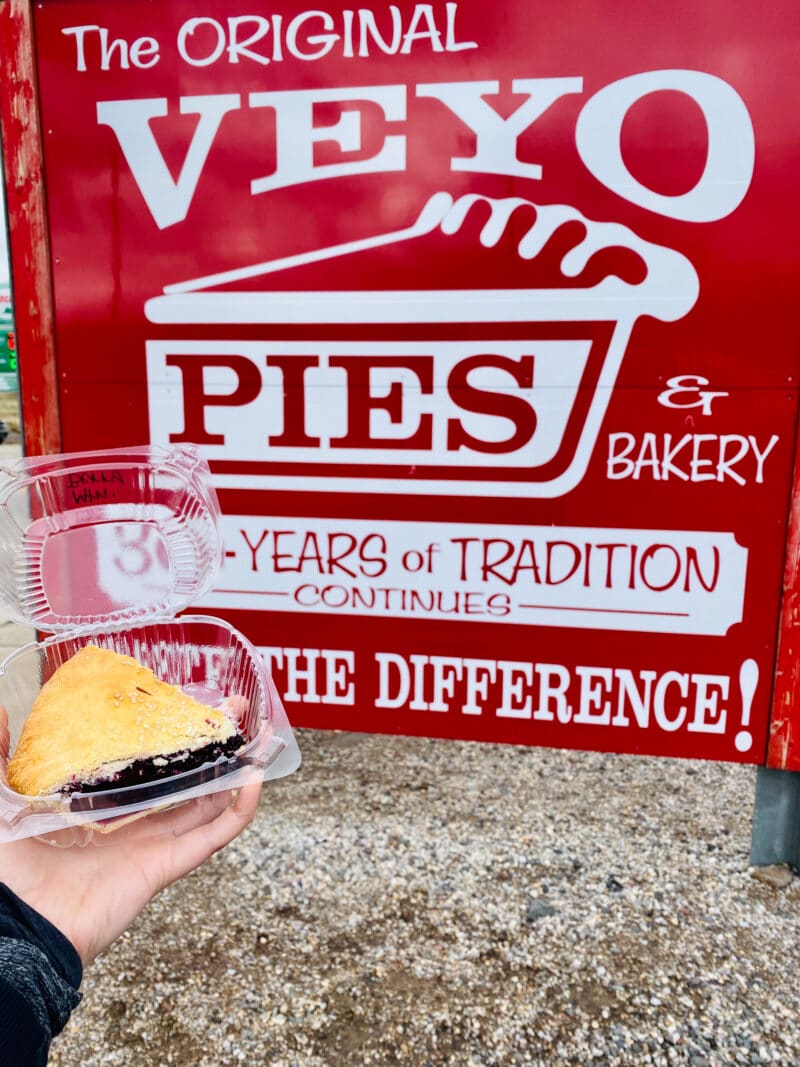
(155, 769)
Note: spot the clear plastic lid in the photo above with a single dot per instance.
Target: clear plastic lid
(92, 539)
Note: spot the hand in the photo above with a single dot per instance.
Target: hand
(94, 893)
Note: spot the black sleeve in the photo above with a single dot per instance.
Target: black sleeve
(40, 972)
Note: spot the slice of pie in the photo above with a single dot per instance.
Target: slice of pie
(103, 721)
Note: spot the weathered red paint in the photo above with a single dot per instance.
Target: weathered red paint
(29, 240)
(783, 752)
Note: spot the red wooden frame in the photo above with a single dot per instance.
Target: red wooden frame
(783, 752)
(29, 236)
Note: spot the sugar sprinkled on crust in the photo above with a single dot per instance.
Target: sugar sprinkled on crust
(102, 708)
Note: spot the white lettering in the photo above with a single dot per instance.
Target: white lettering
(296, 134)
(79, 33)
(515, 704)
(616, 698)
(423, 13)
(595, 707)
(446, 672)
(392, 692)
(479, 674)
(237, 48)
(703, 457)
(450, 43)
(202, 41)
(339, 684)
(709, 717)
(144, 52)
(369, 30)
(495, 137)
(325, 675)
(188, 30)
(168, 200)
(639, 701)
(618, 465)
(307, 674)
(660, 708)
(326, 41)
(761, 455)
(731, 143)
(553, 681)
(141, 52)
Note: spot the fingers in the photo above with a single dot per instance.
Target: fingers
(192, 848)
(198, 812)
(143, 826)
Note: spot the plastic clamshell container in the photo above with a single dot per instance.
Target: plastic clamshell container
(105, 548)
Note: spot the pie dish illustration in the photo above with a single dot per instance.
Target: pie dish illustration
(499, 275)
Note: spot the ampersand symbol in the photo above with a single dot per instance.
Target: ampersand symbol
(688, 386)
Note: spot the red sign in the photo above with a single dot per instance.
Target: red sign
(484, 318)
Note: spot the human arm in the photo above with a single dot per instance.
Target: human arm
(40, 972)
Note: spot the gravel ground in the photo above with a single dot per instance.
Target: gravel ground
(427, 903)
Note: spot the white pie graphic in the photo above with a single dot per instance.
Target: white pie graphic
(569, 416)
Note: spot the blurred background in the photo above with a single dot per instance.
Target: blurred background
(9, 381)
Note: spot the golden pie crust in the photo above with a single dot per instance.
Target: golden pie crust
(101, 709)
